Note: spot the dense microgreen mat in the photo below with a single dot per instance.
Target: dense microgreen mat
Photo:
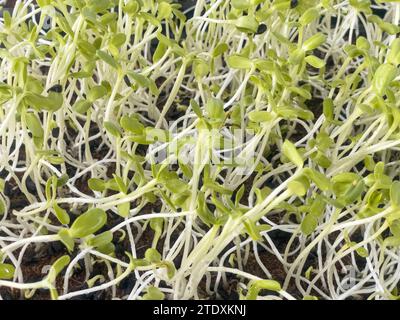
(237, 148)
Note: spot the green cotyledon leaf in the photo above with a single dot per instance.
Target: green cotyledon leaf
(108, 248)
(320, 180)
(288, 112)
(204, 212)
(2, 207)
(112, 128)
(122, 187)
(392, 241)
(156, 225)
(200, 68)
(107, 59)
(314, 42)
(346, 179)
(241, 4)
(43, 3)
(6, 271)
(99, 5)
(152, 255)
(131, 7)
(395, 193)
(57, 267)
(354, 192)
(215, 109)
(251, 229)
(88, 223)
(239, 62)
(247, 24)
(61, 214)
(394, 53)
(299, 186)
(96, 184)
(220, 49)
(96, 92)
(124, 209)
(309, 224)
(66, 239)
(132, 125)
(118, 39)
(33, 85)
(153, 293)
(328, 109)
(361, 5)
(196, 108)
(34, 125)
(315, 62)
(317, 206)
(309, 16)
(261, 116)
(86, 48)
(52, 102)
(164, 11)
(290, 151)
(255, 286)
(101, 239)
(383, 76)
